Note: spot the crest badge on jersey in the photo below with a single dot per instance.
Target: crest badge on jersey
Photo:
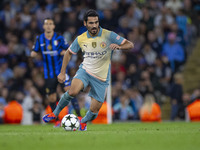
(103, 44)
(94, 44)
(55, 42)
(49, 47)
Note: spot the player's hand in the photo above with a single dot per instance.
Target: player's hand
(62, 52)
(61, 77)
(114, 46)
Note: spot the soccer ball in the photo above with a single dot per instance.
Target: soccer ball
(70, 122)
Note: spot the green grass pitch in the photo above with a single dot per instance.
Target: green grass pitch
(117, 136)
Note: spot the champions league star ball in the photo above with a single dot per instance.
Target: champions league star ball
(70, 122)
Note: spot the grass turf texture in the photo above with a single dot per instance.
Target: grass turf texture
(118, 136)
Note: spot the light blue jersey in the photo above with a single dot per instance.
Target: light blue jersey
(95, 68)
(96, 51)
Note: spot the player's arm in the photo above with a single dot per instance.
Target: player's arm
(62, 52)
(125, 46)
(119, 42)
(33, 54)
(35, 48)
(64, 45)
(66, 59)
(73, 49)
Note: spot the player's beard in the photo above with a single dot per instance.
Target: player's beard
(94, 31)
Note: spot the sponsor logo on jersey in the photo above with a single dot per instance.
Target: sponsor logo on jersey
(97, 55)
(51, 53)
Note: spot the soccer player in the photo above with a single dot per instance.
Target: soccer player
(97, 45)
(52, 46)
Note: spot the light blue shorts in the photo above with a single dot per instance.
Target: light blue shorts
(98, 88)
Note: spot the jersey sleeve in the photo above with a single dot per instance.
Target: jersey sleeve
(36, 46)
(116, 39)
(74, 47)
(64, 45)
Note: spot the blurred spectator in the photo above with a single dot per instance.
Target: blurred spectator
(174, 5)
(108, 21)
(153, 41)
(147, 19)
(136, 100)
(37, 111)
(50, 5)
(176, 94)
(3, 48)
(7, 14)
(103, 4)
(195, 94)
(137, 39)
(150, 111)
(132, 76)
(5, 72)
(13, 112)
(2, 105)
(122, 110)
(43, 13)
(149, 54)
(67, 6)
(145, 85)
(29, 104)
(160, 39)
(18, 79)
(164, 75)
(16, 5)
(164, 18)
(182, 21)
(130, 17)
(179, 34)
(26, 37)
(174, 52)
(25, 15)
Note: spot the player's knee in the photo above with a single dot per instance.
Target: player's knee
(94, 109)
(72, 93)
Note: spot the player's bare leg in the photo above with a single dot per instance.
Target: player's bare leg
(74, 103)
(75, 88)
(91, 114)
(95, 105)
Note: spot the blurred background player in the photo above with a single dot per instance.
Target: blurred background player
(52, 46)
(97, 45)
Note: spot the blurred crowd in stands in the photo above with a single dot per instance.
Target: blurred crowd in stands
(163, 33)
